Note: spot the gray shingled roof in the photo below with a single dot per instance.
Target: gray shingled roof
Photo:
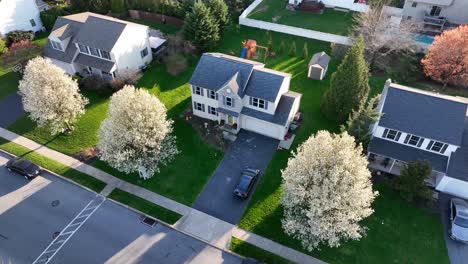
(214, 70)
(264, 84)
(100, 33)
(283, 110)
(97, 63)
(405, 153)
(321, 59)
(229, 112)
(458, 167)
(423, 114)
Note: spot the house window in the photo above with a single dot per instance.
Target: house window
(83, 48)
(228, 101)
(414, 4)
(94, 52)
(199, 107)
(409, 17)
(33, 23)
(437, 146)
(414, 140)
(435, 11)
(56, 45)
(212, 110)
(391, 134)
(144, 52)
(212, 94)
(260, 103)
(105, 55)
(198, 90)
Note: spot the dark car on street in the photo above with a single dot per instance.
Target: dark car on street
(24, 167)
(246, 183)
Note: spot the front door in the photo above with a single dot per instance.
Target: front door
(230, 120)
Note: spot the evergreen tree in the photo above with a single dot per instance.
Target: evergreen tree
(292, 49)
(412, 180)
(349, 86)
(200, 27)
(359, 122)
(282, 47)
(305, 51)
(220, 12)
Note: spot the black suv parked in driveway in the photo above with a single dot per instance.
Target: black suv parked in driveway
(246, 183)
(24, 167)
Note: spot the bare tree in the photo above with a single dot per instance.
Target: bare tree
(383, 34)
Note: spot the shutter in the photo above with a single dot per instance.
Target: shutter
(250, 100)
(385, 132)
(398, 136)
(193, 89)
(421, 140)
(429, 146)
(194, 105)
(201, 89)
(266, 104)
(216, 94)
(444, 148)
(224, 100)
(233, 102)
(203, 107)
(407, 138)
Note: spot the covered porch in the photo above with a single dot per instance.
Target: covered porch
(229, 121)
(91, 66)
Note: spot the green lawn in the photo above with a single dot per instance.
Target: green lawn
(52, 165)
(248, 250)
(331, 21)
(144, 206)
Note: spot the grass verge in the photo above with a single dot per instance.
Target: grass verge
(145, 206)
(52, 165)
(248, 250)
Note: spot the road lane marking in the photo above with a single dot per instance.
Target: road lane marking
(49, 253)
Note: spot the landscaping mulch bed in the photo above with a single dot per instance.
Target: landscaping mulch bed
(209, 130)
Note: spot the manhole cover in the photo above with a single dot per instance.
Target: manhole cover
(55, 203)
(55, 235)
(149, 221)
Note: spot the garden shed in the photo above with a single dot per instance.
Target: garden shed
(318, 66)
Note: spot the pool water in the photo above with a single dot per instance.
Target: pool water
(424, 39)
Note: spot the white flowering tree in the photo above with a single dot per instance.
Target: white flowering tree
(51, 97)
(326, 191)
(136, 135)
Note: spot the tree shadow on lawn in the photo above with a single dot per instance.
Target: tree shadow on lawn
(8, 83)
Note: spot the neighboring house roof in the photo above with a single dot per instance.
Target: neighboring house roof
(321, 59)
(283, 110)
(265, 84)
(100, 33)
(214, 70)
(97, 63)
(406, 153)
(458, 167)
(424, 114)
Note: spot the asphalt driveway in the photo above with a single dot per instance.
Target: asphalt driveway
(249, 150)
(11, 108)
(457, 252)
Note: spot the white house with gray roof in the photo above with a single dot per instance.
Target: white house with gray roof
(421, 125)
(243, 94)
(93, 44)
(19, 15)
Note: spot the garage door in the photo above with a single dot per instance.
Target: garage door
(262, 127)
(453, 186)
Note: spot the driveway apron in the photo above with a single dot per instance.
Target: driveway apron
(249, 150)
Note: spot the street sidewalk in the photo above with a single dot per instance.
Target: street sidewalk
(207, 228)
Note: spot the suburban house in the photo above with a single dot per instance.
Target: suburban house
(243, 94)
(437, 15)
(19, 15)
(421, 125)
(93, 44)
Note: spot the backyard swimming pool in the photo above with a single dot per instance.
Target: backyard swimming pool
(424, 39)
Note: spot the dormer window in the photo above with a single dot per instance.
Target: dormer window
(94, 51)
(391, 134)
(260, 103)
(56, 45)
(105, 55)
(437, 146)
(83, 49)
(414, 140)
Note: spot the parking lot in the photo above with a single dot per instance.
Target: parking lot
(90, 228)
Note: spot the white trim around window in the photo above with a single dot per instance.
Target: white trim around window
(413, 140)
(212, 94)
(228, 101)
(391, 134)
(83, 48)
(437, 146)
(212, 111)
(198, 90)
(199, 106)
(56, 45)
(260, 103)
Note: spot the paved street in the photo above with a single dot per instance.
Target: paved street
(13, 106)
(457, 252)
(32, 211)
(249, 150)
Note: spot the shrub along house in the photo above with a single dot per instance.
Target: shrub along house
(243, 94)
(421, 125)
(92, 44)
